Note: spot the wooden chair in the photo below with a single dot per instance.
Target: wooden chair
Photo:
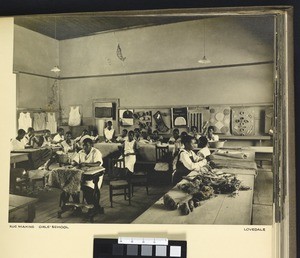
(139, 178)
(119, 181)
(37, 175)
(163, 162)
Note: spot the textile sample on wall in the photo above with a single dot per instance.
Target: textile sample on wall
(243, 121)
(74, 116)
(196, 120)
(51, 123)
(126, 117)
(160, 124)
(39, 121)
(24, 121)
(179, 116)
(143, 119)
(220, 119)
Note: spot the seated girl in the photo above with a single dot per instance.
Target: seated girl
(18, 143)
(79, 140)
(123, 137)
(194, 133)
(94, 135)
(187, 160)
(86, 158)
(31, 140)
(59, 137)
(47, 139)
(68, 144)
(204, 151)
(175, 136)
(109, 132)
(155, 137)
(211, 137)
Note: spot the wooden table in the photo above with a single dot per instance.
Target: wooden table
(262, 153)
(21, 209)
(221, 209)
(18, 157)
(94, 174)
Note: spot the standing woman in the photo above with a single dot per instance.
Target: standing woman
(129, 151)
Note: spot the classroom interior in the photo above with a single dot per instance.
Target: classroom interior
(148, 64)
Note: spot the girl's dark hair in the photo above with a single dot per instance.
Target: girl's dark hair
(88, 140)
(183, 134)
(176, 130)
(186, 139)
(130, 132)
(202, 142)
(211, 127)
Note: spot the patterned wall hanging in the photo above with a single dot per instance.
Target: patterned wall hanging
(160, 123)
(243, 121)
(220, 119)
(195, 120)
(143, 119)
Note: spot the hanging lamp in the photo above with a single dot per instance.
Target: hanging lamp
(204, 59)
(55, 69)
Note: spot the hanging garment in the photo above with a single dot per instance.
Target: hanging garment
(51, 123)
(39, 121)
(74, 116)
(24, 121)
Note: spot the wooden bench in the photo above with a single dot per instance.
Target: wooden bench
(21, 208)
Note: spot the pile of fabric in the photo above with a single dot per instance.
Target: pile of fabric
(202, 187)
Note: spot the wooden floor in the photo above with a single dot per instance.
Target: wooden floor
(47, 205)
(263, 198)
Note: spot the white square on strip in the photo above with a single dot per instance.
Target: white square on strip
(175, 251)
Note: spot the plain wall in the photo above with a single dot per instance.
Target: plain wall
(205, 87)
(34, 52)
(34, 57)
(229, 40)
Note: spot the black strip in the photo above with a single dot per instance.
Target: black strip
(39, 75)
(167, 71)
(147, 72)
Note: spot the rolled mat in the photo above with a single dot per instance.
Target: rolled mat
(232, 154)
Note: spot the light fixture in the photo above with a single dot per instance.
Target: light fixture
(204, 59)
(55, 69)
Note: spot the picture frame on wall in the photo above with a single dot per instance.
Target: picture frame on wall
(179, 116)
(126, 117)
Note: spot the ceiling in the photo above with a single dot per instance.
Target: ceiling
(68, 27)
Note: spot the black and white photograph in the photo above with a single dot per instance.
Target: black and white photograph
(76, 155)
